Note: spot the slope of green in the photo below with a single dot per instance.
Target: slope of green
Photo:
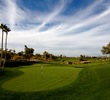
(41, 77)
(93, 83)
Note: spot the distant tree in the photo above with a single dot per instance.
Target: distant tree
(82, 58)
(17, 58)
(61, 56)
(46, 55)
(21, 53)
(10, 54)
(28, 52)
(106, 49)
(51, 56)
(38, 56)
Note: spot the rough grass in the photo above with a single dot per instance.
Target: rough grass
(93, 83)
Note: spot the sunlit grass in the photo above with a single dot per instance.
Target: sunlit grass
(36, 78)
(92, 83)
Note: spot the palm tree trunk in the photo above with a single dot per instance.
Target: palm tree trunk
(5, 49)
(1, 49)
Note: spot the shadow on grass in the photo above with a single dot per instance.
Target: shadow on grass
(7, 73)
(19, 63)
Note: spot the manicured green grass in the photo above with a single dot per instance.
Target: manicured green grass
(93, 83)
(41, 78)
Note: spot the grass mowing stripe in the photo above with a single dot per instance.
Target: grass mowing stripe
(60, 80)
(31, 80)
(63, 80)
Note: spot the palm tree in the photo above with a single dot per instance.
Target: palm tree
(2, 27)
(6, 29)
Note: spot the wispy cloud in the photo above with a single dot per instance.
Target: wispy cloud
(84, 31)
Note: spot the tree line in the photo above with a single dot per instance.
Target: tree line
(28, 53)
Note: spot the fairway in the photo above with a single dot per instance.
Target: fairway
(56, 82)
(42, 78)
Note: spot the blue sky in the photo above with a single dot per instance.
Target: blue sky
(68, 27)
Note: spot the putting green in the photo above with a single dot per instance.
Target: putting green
(37, 78)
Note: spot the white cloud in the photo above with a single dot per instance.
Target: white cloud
(70, 35)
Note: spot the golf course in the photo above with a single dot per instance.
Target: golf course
(54, 49)
(56, 81)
